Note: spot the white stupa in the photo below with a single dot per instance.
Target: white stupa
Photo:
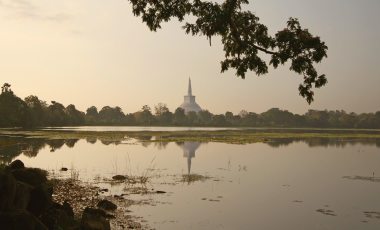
(189, 103)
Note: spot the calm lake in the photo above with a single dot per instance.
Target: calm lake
(311, 184)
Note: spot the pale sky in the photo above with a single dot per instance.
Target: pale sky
(95, 52)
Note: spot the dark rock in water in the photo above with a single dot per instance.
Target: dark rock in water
(110, 216)
(17, 164)
(120, 197)
(56, 217)
(119, 177)
(107, 205)
(22, 196)
(20, 219)
(94, 219)
(40, 200)
(104, 190)
(95, 211)
(49, 188)
(134, 225)
(68, 209)
(8, 188)
(63, 169)
(32, 176)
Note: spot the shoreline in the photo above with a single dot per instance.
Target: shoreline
(81, 195)
(245, 136)
(31, 199)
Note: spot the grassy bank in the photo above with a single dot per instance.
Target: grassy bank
(226, 136)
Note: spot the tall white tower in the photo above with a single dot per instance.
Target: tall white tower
(189, 103)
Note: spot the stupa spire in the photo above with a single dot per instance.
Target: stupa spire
(189, 91)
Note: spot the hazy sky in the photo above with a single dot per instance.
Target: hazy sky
(95, 52)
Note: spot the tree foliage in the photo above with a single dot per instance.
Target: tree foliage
(13, 110)
(37, 110)
(32, 112)
(243, 37)
(111, 115)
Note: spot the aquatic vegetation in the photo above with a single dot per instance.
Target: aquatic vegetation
(327, 212)
(372, 215)
(74, 173)
(237, 136)
(363, 178)
(190, 178)
(297, 201)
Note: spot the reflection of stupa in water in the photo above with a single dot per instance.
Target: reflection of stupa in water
(189, 149)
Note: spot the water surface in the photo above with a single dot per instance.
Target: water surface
(303, 184)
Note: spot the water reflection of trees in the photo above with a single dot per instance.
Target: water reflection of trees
(9, 149)
(33, 147)
(104, 140)
(160, 145)
(323, 142)
(12, 147)
(55, 144)
(110, 142)
(145, 140)
(91, 140)
(71, 142)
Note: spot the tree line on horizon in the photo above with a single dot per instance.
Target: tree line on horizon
(33, 112)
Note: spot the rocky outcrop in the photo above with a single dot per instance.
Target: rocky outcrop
(20, 219)
(25, 198)
(8, 186)
(26, 203)
(95, 219)
(40, 200)
(107, 205)
(59, 217)
(32, 176)
(119, 177)
(17, 164)
(22, 195)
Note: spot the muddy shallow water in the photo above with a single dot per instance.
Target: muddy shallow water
(283, 185)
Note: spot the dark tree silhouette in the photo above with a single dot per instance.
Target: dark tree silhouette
(6, 88)
(32, 112)
(243, 37)
(13, 110)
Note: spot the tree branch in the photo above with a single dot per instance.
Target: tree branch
(235, 34)
(264, 50)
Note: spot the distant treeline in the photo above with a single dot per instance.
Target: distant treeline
(33, 112)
